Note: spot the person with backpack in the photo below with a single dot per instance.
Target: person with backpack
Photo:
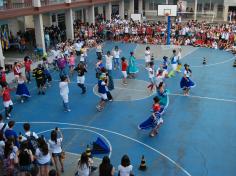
(31, 137)
(55, 147)
(25, 159)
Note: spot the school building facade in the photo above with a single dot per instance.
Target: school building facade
(20, 15)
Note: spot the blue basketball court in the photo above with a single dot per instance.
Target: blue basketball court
(198, 134)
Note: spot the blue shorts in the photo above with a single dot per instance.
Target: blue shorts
(45, 164)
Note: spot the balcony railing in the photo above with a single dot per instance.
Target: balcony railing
(15, 4)
(51, 2)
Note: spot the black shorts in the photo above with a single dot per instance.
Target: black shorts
(40, 83)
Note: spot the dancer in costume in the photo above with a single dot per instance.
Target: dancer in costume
(162, 94)
(7, 102)
(81, 70)
(186, 83)
(178, 69)
(159, 77)
(102, 91)
(174, 64)
(22, 90)
(151, 76)
(124, 66)
(165, 66)
(155, 120)
(132, 68)
(38, 73)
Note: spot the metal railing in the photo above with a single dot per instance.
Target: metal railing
(51, 2)
(15, 4)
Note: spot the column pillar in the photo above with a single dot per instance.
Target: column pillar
(39, 32)
(225, 12)
(140, 7)
(1, 56)
(108, 11)
(195, 10)
(69, 24)
(90, 16)
(122, 9)
(131, 7)
(82, 15)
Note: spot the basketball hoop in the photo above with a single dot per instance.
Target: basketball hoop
(167, 14)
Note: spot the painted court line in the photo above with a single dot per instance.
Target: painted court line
(172, 94)
(208, 98)
(122, 135)
(218, 63)
(84, 129)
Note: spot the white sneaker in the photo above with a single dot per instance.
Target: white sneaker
(8, 118)
(22, 101)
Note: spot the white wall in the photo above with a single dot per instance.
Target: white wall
(29, 22)
(47, 20)
(14, 26)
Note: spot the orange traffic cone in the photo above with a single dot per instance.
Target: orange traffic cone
(143, 166)
(88, 151)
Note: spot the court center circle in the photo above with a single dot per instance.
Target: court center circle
(134, 90)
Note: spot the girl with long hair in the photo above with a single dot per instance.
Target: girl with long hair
(43, 157)
(55, 147)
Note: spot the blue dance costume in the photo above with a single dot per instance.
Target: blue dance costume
(186, 82)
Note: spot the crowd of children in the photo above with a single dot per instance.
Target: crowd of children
(28, 154)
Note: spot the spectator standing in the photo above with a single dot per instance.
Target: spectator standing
(55, 148)
(106, 168)
(27, 63)
(43, 157)
(125, 168)
(84, 165)
(11, 134)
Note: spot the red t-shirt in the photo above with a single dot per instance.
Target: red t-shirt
(124, 66)
(6, 94)
(3, 77)
(28, 66)
(156, 107)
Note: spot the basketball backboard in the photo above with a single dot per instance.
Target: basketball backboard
(167, 10)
